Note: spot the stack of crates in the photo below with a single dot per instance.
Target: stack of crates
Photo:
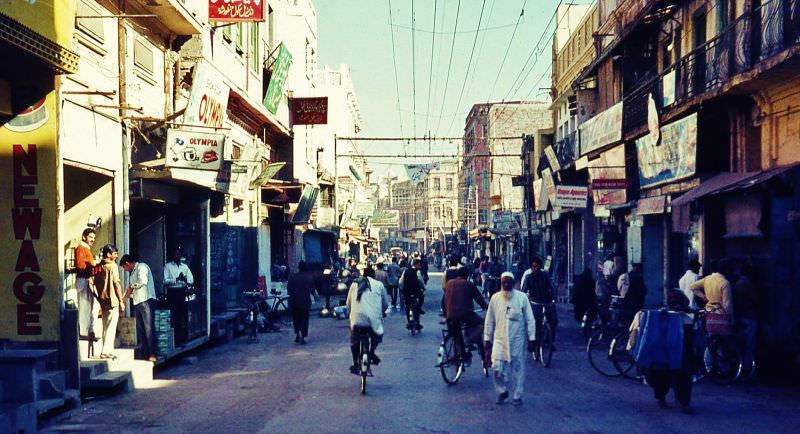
(165, 334)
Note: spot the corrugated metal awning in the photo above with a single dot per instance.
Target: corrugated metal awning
(730, 181)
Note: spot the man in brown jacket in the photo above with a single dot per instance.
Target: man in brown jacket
(109, 295)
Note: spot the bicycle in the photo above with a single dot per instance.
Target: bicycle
(721, 358)
(451, 362)
(412, 315)
(278, 309)
(544, 334)
(256, 314)
(364, 362)
(607, 346)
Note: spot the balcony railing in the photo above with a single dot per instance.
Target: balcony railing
(766, 31)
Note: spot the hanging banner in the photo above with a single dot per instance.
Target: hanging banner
(552, 158)
(603, 129)
(673, 158)
(279, 73)
(309, 111)
(236, 10)
(194, 150)
(30, 304)
(549, 185)
(539, 195)
(571, 196)
(610, 167)
(208, 100)
(417, 172)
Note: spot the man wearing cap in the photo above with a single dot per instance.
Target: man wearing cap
(508, 326)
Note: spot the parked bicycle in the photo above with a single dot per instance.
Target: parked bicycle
(544, 334)
(364, 335)
(454, 356)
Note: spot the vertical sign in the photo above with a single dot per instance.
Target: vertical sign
(208, 100)
(29, 265)
(279, 73)
(549, 185)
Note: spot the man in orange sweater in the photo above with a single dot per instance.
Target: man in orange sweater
(84, 264)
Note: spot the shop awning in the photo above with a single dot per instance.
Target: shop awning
(730, 181)
(306, 205)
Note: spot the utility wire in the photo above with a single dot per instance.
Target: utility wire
(449, 64)
(430, 74)
(413, 71)
(508, 48)
(469, 64)
(396, 80)
(481, 29)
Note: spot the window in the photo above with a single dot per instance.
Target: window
(437, 184)
(143, 56)
(226, 32)
(239, 38)
(255, 36)
(92, 27)
(449, 184)
(485, 180)
(236, 152)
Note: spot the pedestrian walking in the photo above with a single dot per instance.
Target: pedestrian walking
(142, 290)
(633, 291)
(109, 296)
(745, 304)
(301, 289)
(85, 269)
(509, 324)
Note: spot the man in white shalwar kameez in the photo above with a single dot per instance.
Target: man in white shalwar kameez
(508, 327)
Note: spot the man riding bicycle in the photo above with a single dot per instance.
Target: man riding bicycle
(367, 301)
(536, 283)
(412, 287)
(458, 307)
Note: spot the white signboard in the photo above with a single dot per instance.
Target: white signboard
(194, 150)
(571, 196)
(552, 158)
(602, 129)
(208, 100)
(549, 185)
(417, 172)
(363, 209)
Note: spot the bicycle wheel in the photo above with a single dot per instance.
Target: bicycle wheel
(599, 352)
(451, 367)
(364, 365)
(546, 346)
(722, 362)
(621, 357)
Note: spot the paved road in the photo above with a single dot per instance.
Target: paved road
(276, 386)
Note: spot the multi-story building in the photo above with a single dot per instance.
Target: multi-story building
(690, 148)
(441, 199)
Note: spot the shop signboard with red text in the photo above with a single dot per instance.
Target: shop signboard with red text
(236, 10)
(29, 263)
(194, 150)
(208, 100)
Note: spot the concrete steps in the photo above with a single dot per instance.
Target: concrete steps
(108, 375)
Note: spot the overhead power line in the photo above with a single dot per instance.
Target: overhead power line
(482, 29)
(469, 63)
(449, 64)
(508, 48)
(430, 74)
(396, 80)
(413, 71)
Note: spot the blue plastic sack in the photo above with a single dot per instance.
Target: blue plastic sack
(659, 343)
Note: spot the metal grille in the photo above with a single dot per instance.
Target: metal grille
(62, 60)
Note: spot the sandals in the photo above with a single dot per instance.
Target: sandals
(108, 356)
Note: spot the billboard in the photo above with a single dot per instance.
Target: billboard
(571, 196)
(236, 10)
(386, 218)
(194, 150)
(279, 73)
(29, 264)
(208, 100)
(671, 159)
(601, 130)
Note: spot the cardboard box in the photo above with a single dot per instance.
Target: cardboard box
(127, 332)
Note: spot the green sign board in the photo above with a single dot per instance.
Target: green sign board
(279, 73)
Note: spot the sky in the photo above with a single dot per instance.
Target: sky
(419, 98)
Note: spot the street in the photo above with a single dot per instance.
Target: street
(277, 386)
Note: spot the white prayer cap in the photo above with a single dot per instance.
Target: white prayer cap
(508, 274)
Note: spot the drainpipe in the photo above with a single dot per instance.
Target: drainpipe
(122, 54)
